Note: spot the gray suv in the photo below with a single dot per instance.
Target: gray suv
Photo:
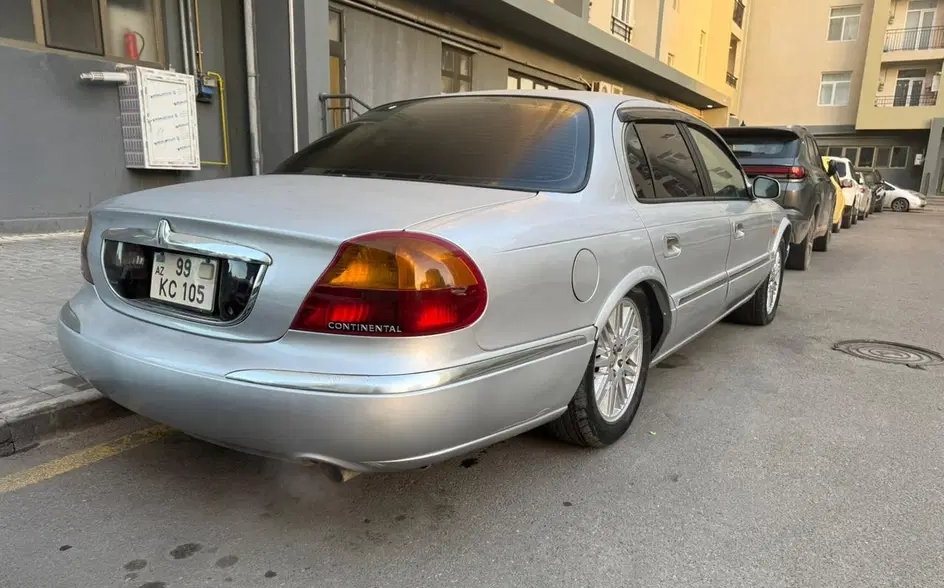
(791, 156)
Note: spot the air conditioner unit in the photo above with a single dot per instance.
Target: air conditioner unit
(604, 87)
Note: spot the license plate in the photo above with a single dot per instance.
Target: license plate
(186, 280)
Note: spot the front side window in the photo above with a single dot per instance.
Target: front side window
(844, 23)
(727, 180)
(508, 142)
(835, 88)
(456, 70)
(674, 172)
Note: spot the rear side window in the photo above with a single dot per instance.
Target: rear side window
(639, 166)
(841, 168)
(674, 172)
(509, 142)
(761, 146)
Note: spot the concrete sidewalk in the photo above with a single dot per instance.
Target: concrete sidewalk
(39, 392)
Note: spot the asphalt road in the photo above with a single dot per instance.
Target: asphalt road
(760, 458)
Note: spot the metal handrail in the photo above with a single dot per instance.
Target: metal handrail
(342, 109)
(739, 13)
(732, 80)
(928, 99)
(621, 29)
(914, 39)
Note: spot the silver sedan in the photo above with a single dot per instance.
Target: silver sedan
(433, 277)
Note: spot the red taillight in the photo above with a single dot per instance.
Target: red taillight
(846, 183)
(83, 249)
(787, 172)
(394, 284)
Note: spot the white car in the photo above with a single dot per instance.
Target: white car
(902, 200)
(856, 195)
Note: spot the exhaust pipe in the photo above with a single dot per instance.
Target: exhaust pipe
(338, 474)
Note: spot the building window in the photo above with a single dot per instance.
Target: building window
(834, 88)
(125, 29)
(844, 23)
(702, 42)
(520, 81)
(866, 157)
(622, 9)
(899, 157)
(834, 151)
(456, 70)
(670, 59)
(882, 157)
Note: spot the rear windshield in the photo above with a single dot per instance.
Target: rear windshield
(759, 146)
(517, 143)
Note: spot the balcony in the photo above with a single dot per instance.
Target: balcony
(738, 15)
(732, 80)
(915, 39)
(620, 29)
(928, 99)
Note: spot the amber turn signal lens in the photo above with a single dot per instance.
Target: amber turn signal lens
(395, 284)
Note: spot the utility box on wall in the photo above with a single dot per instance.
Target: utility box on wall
(159, 119)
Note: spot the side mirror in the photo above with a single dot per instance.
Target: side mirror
(765, 187)
(831, 168)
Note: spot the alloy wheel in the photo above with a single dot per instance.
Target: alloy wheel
(617, 363)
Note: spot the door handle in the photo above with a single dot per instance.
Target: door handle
(671, 246)
(738, 230)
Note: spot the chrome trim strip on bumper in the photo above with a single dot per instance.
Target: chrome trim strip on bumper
(403, 383)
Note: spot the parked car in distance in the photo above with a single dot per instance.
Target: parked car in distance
(856, 201)
(839, 204)
(875, 182)
(902, 200)
(791, 156)
(381, 305)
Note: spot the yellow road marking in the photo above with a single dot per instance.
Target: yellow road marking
(80, 459)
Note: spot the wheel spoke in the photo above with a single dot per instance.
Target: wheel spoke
(602, 361)
(628, 323)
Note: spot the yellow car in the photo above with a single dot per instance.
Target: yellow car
(840, 200)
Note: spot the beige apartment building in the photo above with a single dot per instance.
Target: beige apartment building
(702, 39)
(863, 75)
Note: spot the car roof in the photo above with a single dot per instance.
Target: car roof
(594, 100)
(836, 158)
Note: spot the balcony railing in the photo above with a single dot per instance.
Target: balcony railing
(732, 80)
(339, 109)
(621, 29)
(915, 39)
(929, 99)
(739, 13)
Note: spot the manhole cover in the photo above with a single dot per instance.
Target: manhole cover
(888, 352)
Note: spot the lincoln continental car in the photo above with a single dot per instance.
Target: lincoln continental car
(435, 276)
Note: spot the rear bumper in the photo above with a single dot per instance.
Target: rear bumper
(364, 423)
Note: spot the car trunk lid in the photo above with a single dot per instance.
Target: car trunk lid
(285, 229)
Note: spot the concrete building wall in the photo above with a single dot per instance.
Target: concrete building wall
(62, 149)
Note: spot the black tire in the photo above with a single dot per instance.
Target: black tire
(900, 205)
(846, 222)
(822, 243)
(800, 254)
(582, 423)
(860, 215)
(855, 216)
(754, 311)
(837, 227)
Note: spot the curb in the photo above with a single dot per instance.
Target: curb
(21, 429)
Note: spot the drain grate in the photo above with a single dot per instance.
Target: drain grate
(888, 352)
